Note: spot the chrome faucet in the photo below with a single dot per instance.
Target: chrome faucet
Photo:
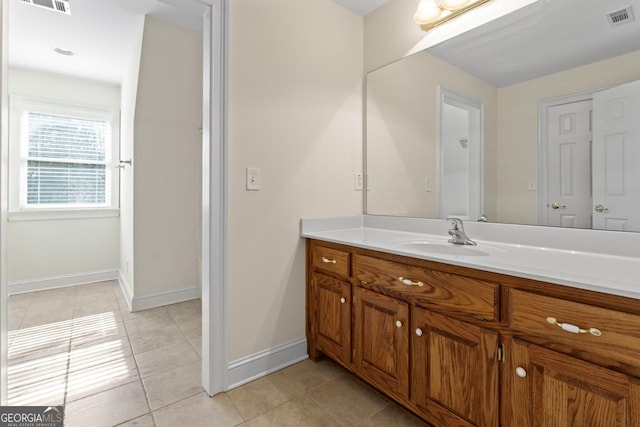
(457, 233)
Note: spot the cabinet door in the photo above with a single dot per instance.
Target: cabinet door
(333, 316)
(455, 371)
(381, 332)
(552, 389)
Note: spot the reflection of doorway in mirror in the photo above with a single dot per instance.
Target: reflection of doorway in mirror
(460, 148)
(590, 151)
(569, 165)
(616, 158)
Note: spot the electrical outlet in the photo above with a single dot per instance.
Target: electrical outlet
(253, 179)
(357, 181)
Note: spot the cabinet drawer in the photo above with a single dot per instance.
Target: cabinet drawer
(607, 333)
(446, 292)
(332, 260)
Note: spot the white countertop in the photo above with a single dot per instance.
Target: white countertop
(601, 272)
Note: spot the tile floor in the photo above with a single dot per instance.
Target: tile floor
(81, 347)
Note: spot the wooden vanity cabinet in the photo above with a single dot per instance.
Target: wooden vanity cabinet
(554, 389)
(464, 347)
(381, 340)
(333, 317)
(329, 304)
(454, 370)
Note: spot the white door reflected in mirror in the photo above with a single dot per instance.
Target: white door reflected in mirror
(616, 158)
(568, 199)
(590, 166)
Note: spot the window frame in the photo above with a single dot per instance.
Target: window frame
(18, 153)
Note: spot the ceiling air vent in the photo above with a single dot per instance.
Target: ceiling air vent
(620, 17)
(56, 5)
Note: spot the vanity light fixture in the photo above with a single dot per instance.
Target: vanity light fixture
(432, 13)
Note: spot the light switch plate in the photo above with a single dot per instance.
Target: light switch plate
(357, 181)
(253, 179)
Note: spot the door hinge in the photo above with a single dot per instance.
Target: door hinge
(501, 355)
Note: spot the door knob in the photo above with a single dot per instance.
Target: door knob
(342, 300)
(556, 205)
(521, 372)
(600, 208)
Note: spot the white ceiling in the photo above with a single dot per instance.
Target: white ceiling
(540, 39)
(99, 32)
(363, 7)
(543, 38)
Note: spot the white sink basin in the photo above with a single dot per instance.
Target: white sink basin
(446, 248)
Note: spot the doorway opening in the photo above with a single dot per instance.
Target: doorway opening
(214, 154)
(461, 161)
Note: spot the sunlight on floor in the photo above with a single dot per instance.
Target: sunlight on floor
(26, 341)
(87, 352)
(49, 390)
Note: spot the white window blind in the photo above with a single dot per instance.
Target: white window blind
(62, 157)
(66, 161)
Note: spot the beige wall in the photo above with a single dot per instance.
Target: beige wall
(40, 249)
(167, 160)
(390, 33)
(518, 128)
(53, 248)
(129, 91)
(296, 113)
(402, 134)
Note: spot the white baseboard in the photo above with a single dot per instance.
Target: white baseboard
(44, 283)
(126, 288)
(258, 365)
(158, 300)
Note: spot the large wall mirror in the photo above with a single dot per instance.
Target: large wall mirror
(533, 118)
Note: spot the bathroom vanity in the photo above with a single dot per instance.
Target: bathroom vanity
(489, 335)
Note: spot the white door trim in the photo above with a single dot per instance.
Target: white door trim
(4, 174)
(214, 198)
(543, 142)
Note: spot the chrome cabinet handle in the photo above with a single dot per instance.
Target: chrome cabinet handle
(328, 261)
(419, 332)
(342, 300)
(600, 209)
(410, 283)
(521, 372)
(556, 205)
(398, 324)
(573, 328)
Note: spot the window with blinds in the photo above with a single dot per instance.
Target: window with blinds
(65, 156)
(66, 161)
